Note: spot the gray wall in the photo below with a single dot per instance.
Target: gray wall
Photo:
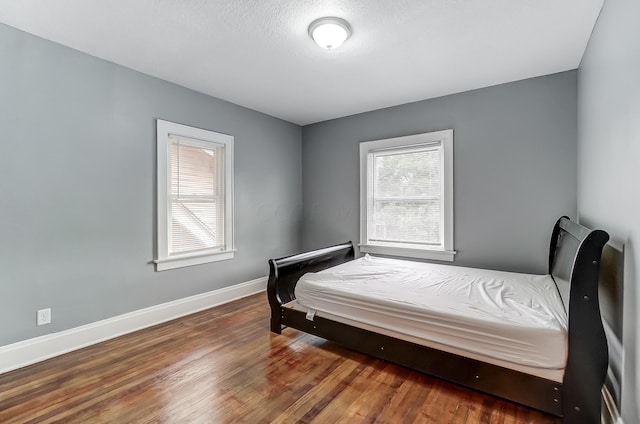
(77, 193)
(609, 164)
(514, 168)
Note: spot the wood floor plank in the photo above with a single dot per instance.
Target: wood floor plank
(224, 366)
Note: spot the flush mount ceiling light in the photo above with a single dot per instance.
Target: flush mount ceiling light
(329, 32)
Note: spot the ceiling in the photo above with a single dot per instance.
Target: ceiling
(258, 54)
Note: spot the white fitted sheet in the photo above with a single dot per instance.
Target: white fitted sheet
(511, 317)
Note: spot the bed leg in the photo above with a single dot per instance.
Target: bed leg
(276, 328)
(276, 323)
(582, 408)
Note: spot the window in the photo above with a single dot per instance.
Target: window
(195, 196)
(406, 196)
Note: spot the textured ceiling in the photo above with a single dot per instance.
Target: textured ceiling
(258, 53)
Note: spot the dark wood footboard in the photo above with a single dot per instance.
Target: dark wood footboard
(574, 263)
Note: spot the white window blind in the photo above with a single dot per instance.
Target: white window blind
(196, 196)
(406, 203)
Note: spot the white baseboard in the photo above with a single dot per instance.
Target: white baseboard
(27, 352)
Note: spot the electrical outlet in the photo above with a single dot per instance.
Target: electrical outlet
(44, 316)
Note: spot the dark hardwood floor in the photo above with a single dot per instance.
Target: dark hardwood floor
(223, 365)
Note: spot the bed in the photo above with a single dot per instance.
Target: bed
(557, 364)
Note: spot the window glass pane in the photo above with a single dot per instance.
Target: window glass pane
(407, 221)
(197, 204)
(193, 226)
(407, 196)
(193, 171)
(413, 174)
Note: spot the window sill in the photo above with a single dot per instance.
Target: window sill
(438, 255)
(182, 261)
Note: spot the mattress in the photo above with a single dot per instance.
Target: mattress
(509, 317)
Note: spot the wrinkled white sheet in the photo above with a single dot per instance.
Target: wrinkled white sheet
(518, 318)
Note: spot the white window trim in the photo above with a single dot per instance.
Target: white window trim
(165, 130)
(444, 253)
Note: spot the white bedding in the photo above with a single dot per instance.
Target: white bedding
(517, 318)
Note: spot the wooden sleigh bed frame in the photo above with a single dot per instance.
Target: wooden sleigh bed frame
(574, 263)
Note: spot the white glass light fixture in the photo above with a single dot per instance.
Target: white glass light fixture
(329, 32)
